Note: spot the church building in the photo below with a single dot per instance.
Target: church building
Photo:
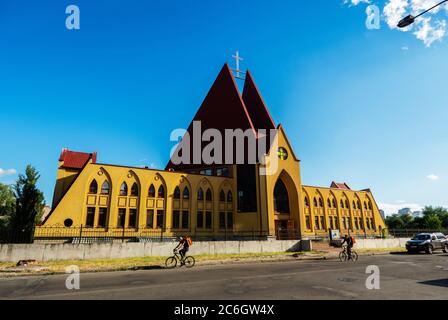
(212, 201)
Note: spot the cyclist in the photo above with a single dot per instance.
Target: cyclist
(349, 241)
(183, 248)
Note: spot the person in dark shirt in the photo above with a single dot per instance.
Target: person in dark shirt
(182, 248)
(349, 241)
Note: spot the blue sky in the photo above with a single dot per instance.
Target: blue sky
(367, 107)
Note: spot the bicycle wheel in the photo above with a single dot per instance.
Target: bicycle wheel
(343, 256)
(354, 256)
(189, 262)
(171, 262)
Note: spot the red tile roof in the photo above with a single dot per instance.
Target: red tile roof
(75, 160)
(337, 185)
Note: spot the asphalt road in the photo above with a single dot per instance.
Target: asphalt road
(402, 276)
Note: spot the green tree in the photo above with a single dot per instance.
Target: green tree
(7, 200)
(29, 205)
(417, 223)
(439, 212)
(432, 222)
(407, 220)
(7, 208)
(395, 222)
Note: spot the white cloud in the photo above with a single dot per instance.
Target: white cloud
(7, 172)
(394, 11)
(422, 5)
(424, 28)
(430, 33)
(433, 177)
(392, 208)
(355, 2)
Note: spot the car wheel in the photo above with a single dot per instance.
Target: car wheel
(429, 249)
(445, 248)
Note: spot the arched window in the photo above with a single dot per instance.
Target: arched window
(281, 200)
(152, 191)
(161, 192)
(347, 204)
(208, 195)
(365, 205)
(134, 190)
(186, 193)
(93, 189)
(124, 189)
(328, 203)
(200, 194)
(176, 194)
(334, 203)
(307, 202)
(370, 205)
(222, 196)
(105, 188)
(354, 204)
(359, 204)
(342, 204)
(315, 202)
(321, 203)
(229, 196)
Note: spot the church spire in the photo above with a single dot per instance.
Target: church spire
(223, 108)
(258, 112)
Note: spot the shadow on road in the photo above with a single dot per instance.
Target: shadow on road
(147, 268)
(438, 282)
(402, 253)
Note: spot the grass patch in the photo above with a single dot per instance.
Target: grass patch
(98, 265)
(381, 250)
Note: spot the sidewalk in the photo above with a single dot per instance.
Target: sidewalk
(8, 270)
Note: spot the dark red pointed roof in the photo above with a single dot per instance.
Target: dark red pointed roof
(258, 112)
(75, 160)
(225, 108)
(337, 185)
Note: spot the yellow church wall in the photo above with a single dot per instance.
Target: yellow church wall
(307, 217)
(351, 206)
(76, 201)
(288, 170)
(354, 212)
(64, 179)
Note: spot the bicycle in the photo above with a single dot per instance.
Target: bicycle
(171, 262)
(343, 255)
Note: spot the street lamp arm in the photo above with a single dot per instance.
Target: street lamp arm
(408, 20)
(435, 6)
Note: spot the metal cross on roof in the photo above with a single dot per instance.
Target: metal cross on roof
(237, 62)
